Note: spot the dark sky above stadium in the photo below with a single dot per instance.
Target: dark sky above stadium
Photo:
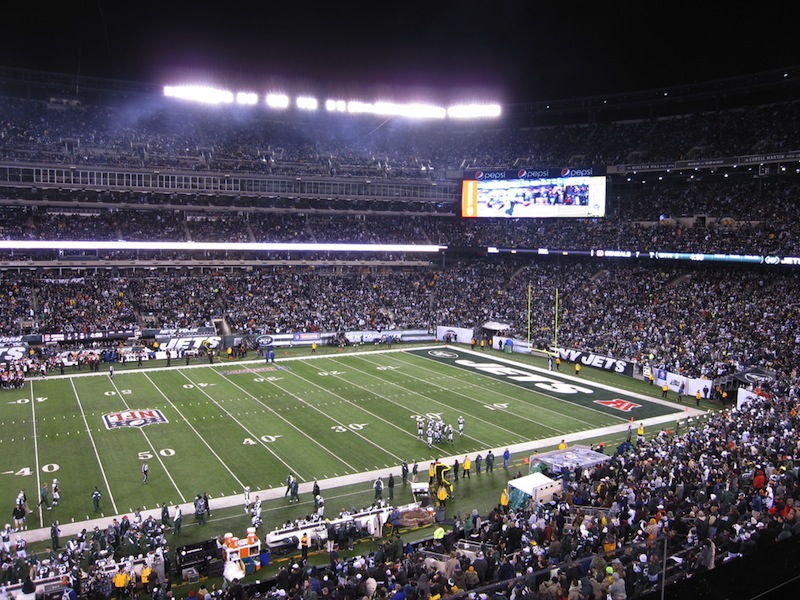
(510, 50)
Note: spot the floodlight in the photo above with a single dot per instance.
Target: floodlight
(247, 98)
(277, 100)
(198, 93)
(473, 111)
(306, 103)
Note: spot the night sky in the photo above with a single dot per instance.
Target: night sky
(511, 51)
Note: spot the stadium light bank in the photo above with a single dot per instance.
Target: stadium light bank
(215, 96)
(232, 246)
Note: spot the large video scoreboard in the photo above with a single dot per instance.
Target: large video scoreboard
(529, 193)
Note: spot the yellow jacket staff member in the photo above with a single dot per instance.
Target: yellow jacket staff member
(466, 466)
(504, 500)
(441, 495)
(121, 580)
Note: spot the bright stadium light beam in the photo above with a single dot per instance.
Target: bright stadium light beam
(277, 100)
(247, 98)
(306, 103)
(336, 106)
(235, 246)
(474, 111)
(199, 93)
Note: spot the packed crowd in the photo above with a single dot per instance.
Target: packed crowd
(161, 135)
(735, 217)
(721, 488)
(699, 320)
(713, 490)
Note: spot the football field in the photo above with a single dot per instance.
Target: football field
(215, 429)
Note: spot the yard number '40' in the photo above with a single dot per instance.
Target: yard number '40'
(350, 427)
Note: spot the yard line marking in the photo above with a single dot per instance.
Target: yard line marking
(156, 454)
(36, 454)
(94, 446)
(327, 416)
(311, 439)
(486, 377)
(239, 423)
(431, 400)
(349, 365)
(197, 433)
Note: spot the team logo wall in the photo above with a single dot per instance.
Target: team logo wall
(133, 418)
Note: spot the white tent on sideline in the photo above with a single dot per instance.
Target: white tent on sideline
(535, 486)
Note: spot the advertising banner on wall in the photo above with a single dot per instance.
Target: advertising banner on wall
(597, 361)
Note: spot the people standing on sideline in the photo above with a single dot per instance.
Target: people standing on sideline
(294, 496)
(404, 472)
(177, 521)
(96, 496)
(506, 458)
(490, 462)
(390, 485)
(289, 482)
(664, 390)
(246, 499)
(199, 510)
(504, 500)
(378, 487)
(414, 472)
(55, 531)
(578, 369)
(304, 543)
(478, 462)
(44, 497)
(550, 362)
(466, 467)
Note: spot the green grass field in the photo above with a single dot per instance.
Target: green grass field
(324, 416)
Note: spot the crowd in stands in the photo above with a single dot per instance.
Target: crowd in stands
(701, 320)
(720, 488)
(711, 491)
(162, 134)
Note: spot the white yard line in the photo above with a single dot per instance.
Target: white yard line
(94, 446)
(253, 435)
(155, 452)
(288, 422)
(197, 433)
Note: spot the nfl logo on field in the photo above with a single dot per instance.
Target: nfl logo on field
(133, 418)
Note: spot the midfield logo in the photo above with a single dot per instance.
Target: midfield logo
(133, 418)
